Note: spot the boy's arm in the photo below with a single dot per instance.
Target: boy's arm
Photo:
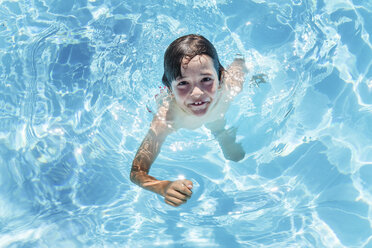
(175, 193)
(226, 138)
(233, 79)
(234, 76)
(146, 155)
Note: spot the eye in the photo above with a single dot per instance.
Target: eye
(207, 80)
(182, 84)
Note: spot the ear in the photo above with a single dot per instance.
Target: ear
(169, 89)
(170, 92)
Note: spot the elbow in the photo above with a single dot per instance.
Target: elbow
(136, 176)
(134, 173)
(132, 176)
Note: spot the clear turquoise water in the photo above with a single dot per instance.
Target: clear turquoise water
(76, 77)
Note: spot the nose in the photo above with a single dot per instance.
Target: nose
(196, 91)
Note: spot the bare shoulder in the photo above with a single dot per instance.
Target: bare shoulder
(234, 76)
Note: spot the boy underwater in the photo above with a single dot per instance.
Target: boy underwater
(199, 93)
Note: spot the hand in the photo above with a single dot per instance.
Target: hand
(178, 192)
(231, 150)
(239, 63)
(235, 75)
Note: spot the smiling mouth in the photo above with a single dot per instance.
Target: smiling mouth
(199, 108)
(198, 103)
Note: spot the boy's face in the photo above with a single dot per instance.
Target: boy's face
(195, 90)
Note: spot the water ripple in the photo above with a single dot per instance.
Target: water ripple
(76, 77)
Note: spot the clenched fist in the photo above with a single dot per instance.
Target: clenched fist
(178, 192)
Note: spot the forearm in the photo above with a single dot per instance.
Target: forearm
(227, 140)
(148, 182)
(219, 132)
(142, 162)
(216, 127)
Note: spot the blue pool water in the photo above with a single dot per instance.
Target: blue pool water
(76, 76)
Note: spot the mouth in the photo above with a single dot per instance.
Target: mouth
(199, 107)
(198, 103)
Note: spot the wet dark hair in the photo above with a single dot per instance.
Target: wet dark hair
(187, 47)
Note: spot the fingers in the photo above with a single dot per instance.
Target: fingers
(173, 201)
(178, 195)
(188, 183)
(176, 201)
(178, 192)
(184, 186)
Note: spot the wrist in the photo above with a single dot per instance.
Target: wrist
(164, 186)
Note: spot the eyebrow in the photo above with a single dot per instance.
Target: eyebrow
(201, 74)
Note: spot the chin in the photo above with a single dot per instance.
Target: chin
(199, 114)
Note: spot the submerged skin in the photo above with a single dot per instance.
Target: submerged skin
(196, 98)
